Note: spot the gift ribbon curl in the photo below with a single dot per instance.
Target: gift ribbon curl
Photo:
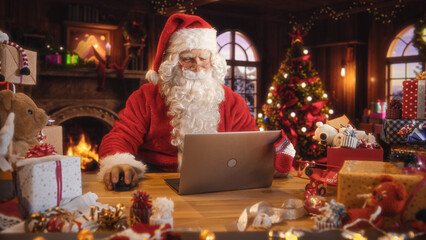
(291, 209)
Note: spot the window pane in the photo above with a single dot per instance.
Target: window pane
(250, 55)
(240, 54)
(241, 40)
(226, 51)
(413, 69)
(411, 51)
(251, 73)
(250, 100)
(239, 86)
(396, 87)
(228, 76)
(408, 36)
(240, 72)
(224, 38)
(397, 70)
(399, 49)
(251, 87)
(239, 79)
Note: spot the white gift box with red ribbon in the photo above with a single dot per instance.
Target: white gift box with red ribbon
(43, 182)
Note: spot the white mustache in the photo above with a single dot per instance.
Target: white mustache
(195, 75)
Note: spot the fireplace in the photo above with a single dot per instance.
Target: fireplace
(72, 100)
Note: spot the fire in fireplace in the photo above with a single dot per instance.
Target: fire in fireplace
(82, 137)
(85, 150)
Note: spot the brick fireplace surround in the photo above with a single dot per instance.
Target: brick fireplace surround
(70, 95)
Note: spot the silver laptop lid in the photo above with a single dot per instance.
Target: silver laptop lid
(227, 161)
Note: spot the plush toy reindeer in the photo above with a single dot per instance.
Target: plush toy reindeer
(25, 70)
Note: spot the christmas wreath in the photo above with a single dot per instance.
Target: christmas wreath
(419, 39)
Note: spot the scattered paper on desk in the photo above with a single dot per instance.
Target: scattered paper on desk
(265, 214)
(82, 203)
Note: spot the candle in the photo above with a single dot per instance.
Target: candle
(108, 49)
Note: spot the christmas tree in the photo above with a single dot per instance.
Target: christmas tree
(296, 101)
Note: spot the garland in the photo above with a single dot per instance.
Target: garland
(419, 40)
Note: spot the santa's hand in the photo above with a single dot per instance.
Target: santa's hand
(112, 175)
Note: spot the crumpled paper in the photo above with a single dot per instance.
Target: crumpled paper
(265, 214)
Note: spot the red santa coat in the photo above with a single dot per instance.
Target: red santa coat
(144, 127)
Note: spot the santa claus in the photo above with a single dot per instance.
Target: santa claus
(185, 95)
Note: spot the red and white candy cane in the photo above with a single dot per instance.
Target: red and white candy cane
(25, 70)
(404, 131)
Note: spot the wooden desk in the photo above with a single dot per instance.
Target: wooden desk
(214, 211)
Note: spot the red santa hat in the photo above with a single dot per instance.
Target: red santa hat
(183, 32)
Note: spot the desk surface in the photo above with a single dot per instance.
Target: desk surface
(214, 211)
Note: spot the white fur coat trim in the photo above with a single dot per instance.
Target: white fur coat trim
(120, 158)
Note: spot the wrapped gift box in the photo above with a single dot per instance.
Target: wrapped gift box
(54, 137)
(413, 99)
(391, 128)
(53, 59)
(337, 156)
(11, 64)
(43, 182)
(360, 177)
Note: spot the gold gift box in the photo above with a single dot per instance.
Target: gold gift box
(361, 177)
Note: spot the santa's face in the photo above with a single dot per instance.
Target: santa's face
(195, 60)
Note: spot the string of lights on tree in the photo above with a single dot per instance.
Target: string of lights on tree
(419, 38)
(296, 101)
(380, 13)
(186, 6)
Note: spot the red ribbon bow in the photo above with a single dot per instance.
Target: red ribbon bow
(40, 150)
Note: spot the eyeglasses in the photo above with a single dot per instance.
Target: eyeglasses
(195, 58)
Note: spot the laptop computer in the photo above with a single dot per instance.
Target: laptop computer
(226, 161)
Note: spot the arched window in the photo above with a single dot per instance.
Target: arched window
(403, 62)
(242, 60)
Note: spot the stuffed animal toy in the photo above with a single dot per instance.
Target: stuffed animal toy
(29, 120)
(25, 70)
(387, 200)
(324, 134)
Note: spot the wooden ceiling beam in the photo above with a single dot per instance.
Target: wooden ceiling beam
(188, 5)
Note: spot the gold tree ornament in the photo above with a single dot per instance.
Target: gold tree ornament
(85, 235)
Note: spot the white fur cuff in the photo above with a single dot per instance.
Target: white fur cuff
(120, 158)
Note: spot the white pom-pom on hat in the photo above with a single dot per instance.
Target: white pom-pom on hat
(152, 76)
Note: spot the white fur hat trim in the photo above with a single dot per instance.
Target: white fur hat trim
(192, 38)
(120, 158)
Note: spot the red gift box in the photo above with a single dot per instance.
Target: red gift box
(413, 99)
(337, 156)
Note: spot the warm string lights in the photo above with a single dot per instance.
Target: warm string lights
(380, 12)
(184, 6)
(296, 233)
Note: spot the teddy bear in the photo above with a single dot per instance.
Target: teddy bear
(29, 120)
(386, 200)
(324, 134)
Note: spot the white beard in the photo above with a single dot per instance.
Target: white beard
(193, 99)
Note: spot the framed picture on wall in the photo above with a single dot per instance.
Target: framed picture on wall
(89, 41)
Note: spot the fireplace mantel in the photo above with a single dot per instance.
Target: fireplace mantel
(92, 73)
